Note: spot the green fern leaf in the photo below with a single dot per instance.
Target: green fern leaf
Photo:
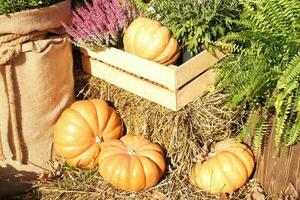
(291, 73)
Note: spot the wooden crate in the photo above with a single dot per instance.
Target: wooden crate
(171, 86)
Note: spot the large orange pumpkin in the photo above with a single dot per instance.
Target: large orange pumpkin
(148, 39)
(228, 168)
(81, 128)
(132, 163)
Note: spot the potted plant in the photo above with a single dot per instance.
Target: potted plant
(197, 25)
(173, 86)
(36, 84)
(263, 78)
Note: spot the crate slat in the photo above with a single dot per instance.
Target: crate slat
(141, 67)
(130, 83)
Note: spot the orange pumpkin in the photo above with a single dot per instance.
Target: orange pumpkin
(148, 39)
(228, 168)
(132, 163)
(80, 130)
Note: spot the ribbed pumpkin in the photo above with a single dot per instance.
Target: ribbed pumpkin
(228, 168)
(132, 163)
(81, 128)
(148, 39)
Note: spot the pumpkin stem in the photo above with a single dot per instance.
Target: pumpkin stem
(131, 152)
(99, 139)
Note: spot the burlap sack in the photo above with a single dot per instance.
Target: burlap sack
(36, 84)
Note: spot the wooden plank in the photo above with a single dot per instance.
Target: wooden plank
(130, 83)
(144, 68)
(195, 66)
(276, 172)
(195, 88)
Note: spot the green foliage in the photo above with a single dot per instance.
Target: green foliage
(144, 6)
(11, 6)
(196, 24)
(265, 73)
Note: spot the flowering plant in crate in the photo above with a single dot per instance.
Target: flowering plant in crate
(101, 23)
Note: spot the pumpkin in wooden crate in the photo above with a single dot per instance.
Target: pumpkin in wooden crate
(82, 128)
(148, 39)
(228, 168)
(132, 163)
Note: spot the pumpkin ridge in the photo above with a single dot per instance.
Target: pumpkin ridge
(147, 184)
(58, 143)
(142, 150)
(123, 147)
(97, 114)
(107, 149)
(149, 151)
(132, 32)
(111, 131)
(136, 45)
(143, 172)
(76, 125)
(94, 157)
(169, 52)
(249, 153)
(66, 118)
(114, 153)
(173, 59)
(163, 44)
(68, 147)
(83, 119)
(99, 117)
(160, 158)
(117, 175)
(224, 174)
(149, 146)
(102, 162)
(114, 163)
(104, 131)
(240, 161)
(243, 163)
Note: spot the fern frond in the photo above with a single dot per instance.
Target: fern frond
(293, 134)
(261, 130)
(282, 114)
(250, 125)
(291, 73)
(283, 95)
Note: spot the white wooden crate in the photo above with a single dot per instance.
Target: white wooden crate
(171, 86)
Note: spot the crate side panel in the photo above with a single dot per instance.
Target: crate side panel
(141, 67)
(196, 66)
(130, 83)
(195, 88)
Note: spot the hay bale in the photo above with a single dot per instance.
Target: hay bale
(185, 135)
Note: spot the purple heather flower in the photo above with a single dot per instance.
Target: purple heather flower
(101, 23)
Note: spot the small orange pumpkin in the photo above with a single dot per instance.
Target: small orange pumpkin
(132, 163)
(81, 128)
(148, 39)
(229, 167)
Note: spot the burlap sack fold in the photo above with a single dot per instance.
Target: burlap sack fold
(36, 84)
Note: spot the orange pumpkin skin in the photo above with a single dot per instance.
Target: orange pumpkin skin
(148, 39)
(80, 130)
(227, 170)
(132, 163)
